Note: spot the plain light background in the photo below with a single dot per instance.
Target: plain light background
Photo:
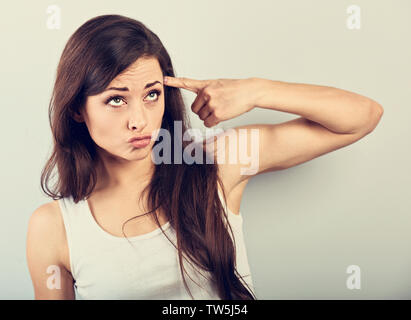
(303, 226)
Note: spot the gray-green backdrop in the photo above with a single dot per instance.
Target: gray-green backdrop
(304, 226)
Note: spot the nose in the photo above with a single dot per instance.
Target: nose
(137, 117)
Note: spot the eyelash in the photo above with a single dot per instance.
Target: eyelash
(158, 92)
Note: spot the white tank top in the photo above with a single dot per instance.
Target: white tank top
(107, 267)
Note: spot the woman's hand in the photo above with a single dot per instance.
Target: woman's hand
(220, 99)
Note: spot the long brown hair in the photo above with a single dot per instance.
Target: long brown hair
(94, 55)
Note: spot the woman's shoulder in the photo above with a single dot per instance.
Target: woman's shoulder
(45, 248)
(233, 189)
(48, 214)
(228, 168)
(46, 226)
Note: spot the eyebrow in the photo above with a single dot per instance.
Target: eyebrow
(148, 85)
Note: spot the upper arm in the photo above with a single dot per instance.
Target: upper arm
(281, 146)
(43, 247)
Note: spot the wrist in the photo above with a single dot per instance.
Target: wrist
(261, 89)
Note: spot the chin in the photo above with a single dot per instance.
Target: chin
(141, 153)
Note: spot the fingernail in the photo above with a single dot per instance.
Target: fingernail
(165, 79)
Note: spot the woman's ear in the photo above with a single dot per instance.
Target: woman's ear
(77, 116)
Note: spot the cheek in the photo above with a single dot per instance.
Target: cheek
(159, 116)
(156, 121)
(102, 129)
(154, 117)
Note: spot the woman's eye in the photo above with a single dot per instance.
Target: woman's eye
(116, 99)
(157, 92)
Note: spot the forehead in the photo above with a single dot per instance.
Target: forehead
(143, 70)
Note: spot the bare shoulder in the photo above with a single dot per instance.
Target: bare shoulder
(46, 226)
(46, 219)
(235, 195)
(45, 248)
(233, 187)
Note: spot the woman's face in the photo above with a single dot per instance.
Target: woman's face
(114, 116)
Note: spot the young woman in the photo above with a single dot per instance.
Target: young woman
(126, 226)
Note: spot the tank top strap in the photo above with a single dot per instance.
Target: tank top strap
(236, 222)
(232, 217)
(82, 237)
